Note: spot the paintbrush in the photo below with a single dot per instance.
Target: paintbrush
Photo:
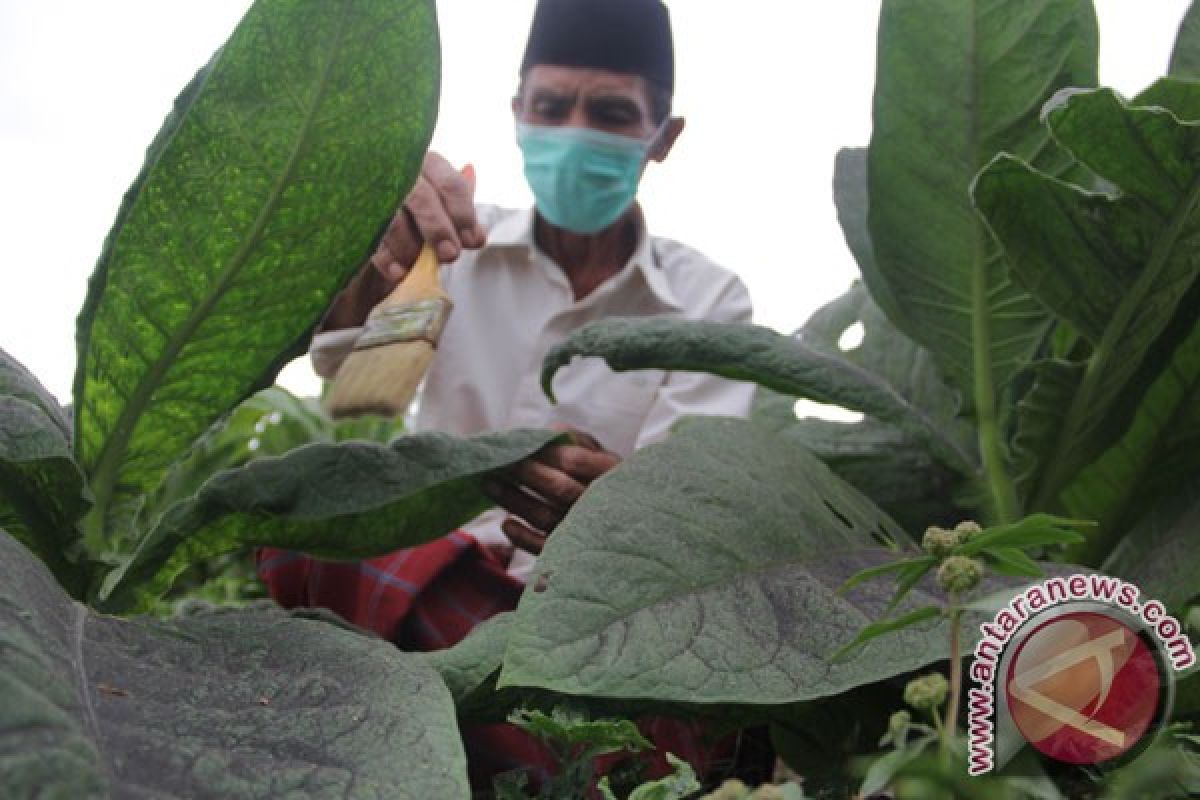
(381, 374)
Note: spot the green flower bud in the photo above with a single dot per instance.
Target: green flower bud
(898, 723)
(939, 541)
(927, 692)
(967, 530)
(959, 574)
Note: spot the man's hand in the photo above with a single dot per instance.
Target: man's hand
(440, 210)
(541, 489)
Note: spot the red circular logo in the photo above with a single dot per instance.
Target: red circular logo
(1083, 688)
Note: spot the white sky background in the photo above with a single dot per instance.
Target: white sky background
(770, 94)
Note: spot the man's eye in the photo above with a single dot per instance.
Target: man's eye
(550, 109)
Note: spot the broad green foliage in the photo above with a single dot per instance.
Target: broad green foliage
(252, 704)
(702, 585)
(813, 368)
(1160, 554)
(270, 423)
(913, 473)
(1185, 58)
(469, 666)
(342, 501)
(261, 195)
(41, 489)
(956, 83)
(1121, 270)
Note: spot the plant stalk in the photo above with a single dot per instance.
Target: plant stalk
(956, 677)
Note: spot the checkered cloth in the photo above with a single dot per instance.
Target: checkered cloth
(430, 597)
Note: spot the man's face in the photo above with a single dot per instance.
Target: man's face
(584, 97)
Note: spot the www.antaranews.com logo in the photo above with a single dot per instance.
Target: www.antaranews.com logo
(1081, 667)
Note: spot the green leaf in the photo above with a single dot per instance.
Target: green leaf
(1053, 383)
(1118, 267)
(1012, 561)
(792, 365)
(885, 569)
(1185, 57)
(340, 501)
(278, 167)
(470, 667)
(1035, 530)
(42, 493)
(569, 729)
(678, 785)
(885, 767)
(914, 472)
(252, 704)
(908, 578)
(1159, 554)
(705, 569)
(955, 83)
(16, 381)
(851, 200)
(1161, 443)
(877, 629)
(270, 423)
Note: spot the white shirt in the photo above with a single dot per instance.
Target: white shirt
(512, 304)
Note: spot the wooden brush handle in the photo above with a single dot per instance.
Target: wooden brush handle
(421, 282)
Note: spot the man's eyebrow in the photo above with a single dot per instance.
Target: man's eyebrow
(551, 94)
(613, 101)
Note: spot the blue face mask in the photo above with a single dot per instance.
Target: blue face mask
(582, 179)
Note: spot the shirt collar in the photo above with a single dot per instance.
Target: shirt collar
(516, 231)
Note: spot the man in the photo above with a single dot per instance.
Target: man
(591, 111)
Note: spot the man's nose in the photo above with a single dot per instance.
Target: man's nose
(577, 118)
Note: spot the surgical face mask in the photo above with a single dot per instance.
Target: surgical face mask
(582, 179)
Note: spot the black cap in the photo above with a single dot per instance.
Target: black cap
(630, 36)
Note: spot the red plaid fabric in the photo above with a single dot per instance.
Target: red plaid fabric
(430, 597)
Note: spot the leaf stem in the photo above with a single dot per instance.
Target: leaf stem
(1003, 494)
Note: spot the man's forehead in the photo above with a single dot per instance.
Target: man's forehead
(586, 80)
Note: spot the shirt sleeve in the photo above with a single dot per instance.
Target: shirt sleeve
(698, 393)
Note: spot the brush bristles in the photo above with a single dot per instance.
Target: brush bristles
(379, 380)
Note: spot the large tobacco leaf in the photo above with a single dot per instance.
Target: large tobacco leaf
(850, 198)
(17, 381)
(793, 365)
(250, 704)
(901, 473)
(42, 491)
(1185, 57)
(955, 84)
(705, 569)
(1121, 268)
(279, 165)
(269, 423)
(1159, 554)
(339, 501)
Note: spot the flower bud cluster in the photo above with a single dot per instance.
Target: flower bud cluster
(927, 692)
(958, 574)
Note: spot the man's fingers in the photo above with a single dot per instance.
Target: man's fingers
(555, 484)
(397, 249)
(581, 463)
(534, 510)
(432, 221)
(443, 207)
(523, 536)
